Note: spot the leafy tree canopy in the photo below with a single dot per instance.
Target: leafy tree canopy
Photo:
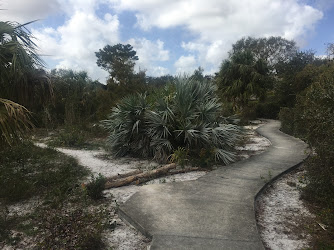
(271, 50)
(242, 77)
(118, 60)
(295, 76)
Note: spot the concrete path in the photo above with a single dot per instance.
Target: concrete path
(217, 210)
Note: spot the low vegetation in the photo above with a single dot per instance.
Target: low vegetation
(312, 119)
(51, 182)
(178, 119)
(185, 114)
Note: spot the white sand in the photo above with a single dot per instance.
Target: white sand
(280, 211)
(126, 237)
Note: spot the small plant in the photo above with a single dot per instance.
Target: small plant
(180, 156)
(96, 186)
(163, 180)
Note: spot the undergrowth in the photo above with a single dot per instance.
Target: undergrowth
(79, 136)
(61, 218)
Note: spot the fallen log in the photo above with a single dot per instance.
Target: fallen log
(186, 170)
(171, 172)
(138, 178)
(121, 176)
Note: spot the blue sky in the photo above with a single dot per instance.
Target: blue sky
(170, 37)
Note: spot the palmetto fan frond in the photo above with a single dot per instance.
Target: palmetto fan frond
(19, 79)
(188, 116)
(14, 121)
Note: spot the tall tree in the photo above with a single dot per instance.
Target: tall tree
(330, 51)
(242, 77)
(295, 76)
(272, 50)
(119, 61)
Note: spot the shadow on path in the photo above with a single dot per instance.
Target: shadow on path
(217, 210)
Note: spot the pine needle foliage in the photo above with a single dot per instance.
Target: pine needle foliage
(184, 114)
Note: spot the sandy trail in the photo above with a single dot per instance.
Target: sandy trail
(277, 205)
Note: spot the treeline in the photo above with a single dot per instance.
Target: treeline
(262, 75)
(271, 78)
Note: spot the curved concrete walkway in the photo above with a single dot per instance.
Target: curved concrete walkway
(217, 210)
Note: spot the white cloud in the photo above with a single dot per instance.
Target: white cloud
(86, 6)
(208, 54)
(26, 11)
(74, 43)
(219, 24)
(150, 54)
(185, 64)
(158, 71)
(214, 19)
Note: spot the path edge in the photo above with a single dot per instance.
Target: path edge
(127, 219)
(275, 178)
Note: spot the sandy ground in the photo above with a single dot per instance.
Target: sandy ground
(125, 236)
(280, 214)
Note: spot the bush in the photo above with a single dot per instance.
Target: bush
(267, 110)
(313, 119)
(287, 118)
(185, 114)
(180, 156)
(318, 120)
(70, 137)
(95, 187)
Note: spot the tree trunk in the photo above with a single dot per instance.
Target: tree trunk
(121, 176)
(139, 178)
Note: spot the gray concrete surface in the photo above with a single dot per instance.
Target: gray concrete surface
(217, 210)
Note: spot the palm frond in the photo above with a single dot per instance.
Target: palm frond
(189, 117)
(14, 121)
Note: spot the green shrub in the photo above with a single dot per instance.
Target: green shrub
(96, 186)
(318, 121)
(312, 119)
(267, 110)
(247, 114)
(180, 156)
(70, 137)
(287, 118)
(186, 114)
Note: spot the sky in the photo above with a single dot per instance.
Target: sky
(170, 37)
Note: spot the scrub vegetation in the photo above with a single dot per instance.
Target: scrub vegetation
(190, 119)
